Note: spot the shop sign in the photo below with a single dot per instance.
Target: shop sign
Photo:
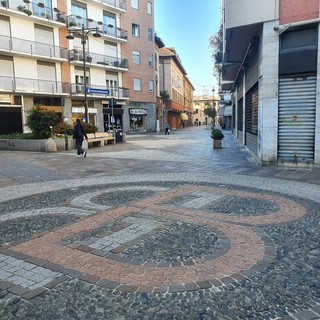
(98, 91)
(139, 112)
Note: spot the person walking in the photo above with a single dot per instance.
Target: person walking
(167, 128)
(79, 134)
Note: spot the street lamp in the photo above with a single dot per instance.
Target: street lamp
(83, 33)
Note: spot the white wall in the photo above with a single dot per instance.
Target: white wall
(245, 12)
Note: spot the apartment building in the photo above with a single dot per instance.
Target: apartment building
(172, 74)
(96, 63)
(73, 57)
(271, 67)
(140, 113)
(31, 60)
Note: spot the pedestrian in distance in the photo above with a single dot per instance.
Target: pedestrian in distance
(167, 129)
(79, 134)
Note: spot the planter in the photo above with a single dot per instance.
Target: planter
(34, 145)
(217, 144)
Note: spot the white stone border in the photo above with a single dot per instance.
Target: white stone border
(299, 189)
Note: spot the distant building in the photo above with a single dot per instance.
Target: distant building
(199, 104)
(173, 80)
(271, 67)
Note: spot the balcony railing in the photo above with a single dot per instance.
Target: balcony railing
(96, 90)
(76, 55)
(34, 9)
(106, 29)
(121, 4)
(32, 47)
(24, 85)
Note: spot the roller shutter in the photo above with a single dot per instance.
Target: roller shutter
(296, 126)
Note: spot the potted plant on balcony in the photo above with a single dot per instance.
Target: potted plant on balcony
(27, 12)
(41, 4)
(217, 137)
(26, 1)
(72, 24)
(4, 3)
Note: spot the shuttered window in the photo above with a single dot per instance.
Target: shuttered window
(240, 114)
(297, 109)
(252, 110)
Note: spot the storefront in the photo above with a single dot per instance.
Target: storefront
(138, 119)
(112, 117)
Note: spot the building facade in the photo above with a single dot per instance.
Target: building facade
(74, 58)
(271, 67)
(140, 115)
(199, 104)
(172, 77)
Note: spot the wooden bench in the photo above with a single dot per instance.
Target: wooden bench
(100, 138)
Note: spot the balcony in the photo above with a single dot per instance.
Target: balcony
(98, 60)
(107, 30)
(77, 89)
(32, 86)
(31, 48)
(116, 6)
(36, 11)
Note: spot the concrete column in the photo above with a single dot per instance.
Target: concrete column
(268, 95)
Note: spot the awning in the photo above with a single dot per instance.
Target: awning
(184, 116)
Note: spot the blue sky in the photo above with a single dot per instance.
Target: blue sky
(187, 26)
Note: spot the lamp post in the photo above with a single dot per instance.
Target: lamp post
(83, 33)
(213, 107)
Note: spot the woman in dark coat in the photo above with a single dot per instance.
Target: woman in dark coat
(79, 134)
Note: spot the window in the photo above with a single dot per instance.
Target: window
(109, 24)
(46, 76)
(79, 11)
(112, 83)
(150, 60)
(150, 34)
(136, 57)
(149, 7)
(137, 84)
(135, 4)
(151, 86)
(135, 30)
(299, 39)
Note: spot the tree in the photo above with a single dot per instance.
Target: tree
(210, 112)
(40, 121)
(164, 96)
(216, 44)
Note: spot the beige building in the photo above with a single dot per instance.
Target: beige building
(199, 104)
(74, 58)
(172, 75)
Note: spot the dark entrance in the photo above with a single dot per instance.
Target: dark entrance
(10, 120)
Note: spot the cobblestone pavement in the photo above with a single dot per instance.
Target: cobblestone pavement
(161, 227)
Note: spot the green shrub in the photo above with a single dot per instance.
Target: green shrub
(41, 122)
(63, 128)
(89, 128)
(17, 135)
(217, 134)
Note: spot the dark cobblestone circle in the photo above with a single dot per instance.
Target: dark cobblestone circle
(237, 205)
(178, 242)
